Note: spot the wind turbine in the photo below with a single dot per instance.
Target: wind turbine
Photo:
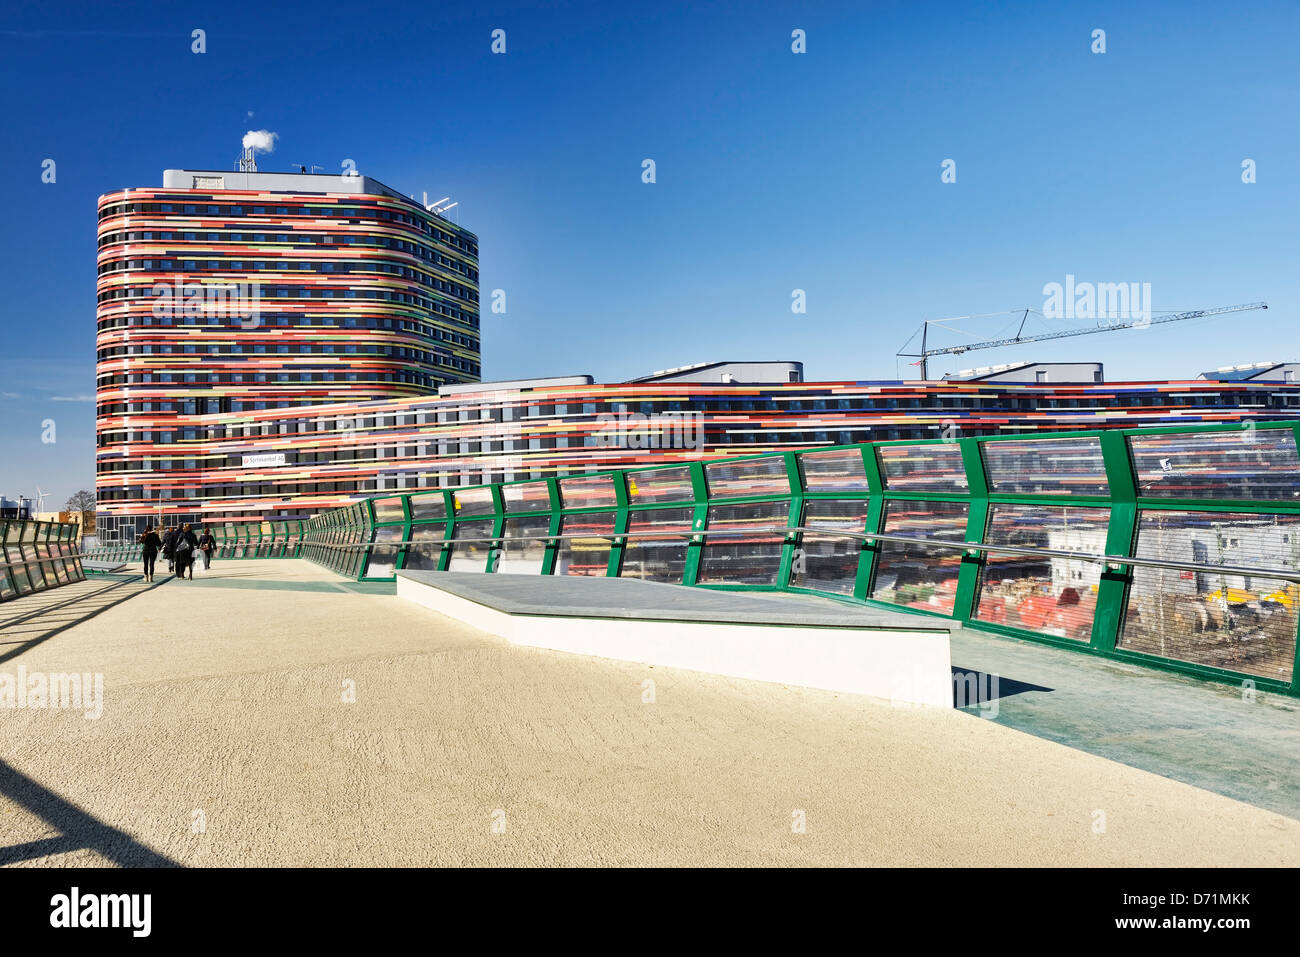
(40, 500)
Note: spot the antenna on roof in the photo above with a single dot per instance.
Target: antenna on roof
(436, 207)
(246, 162)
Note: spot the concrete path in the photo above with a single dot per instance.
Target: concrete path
(275, 715)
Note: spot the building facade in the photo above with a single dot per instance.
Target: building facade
(237, 293)
(291, 463)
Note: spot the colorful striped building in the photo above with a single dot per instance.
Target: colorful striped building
(273, 345)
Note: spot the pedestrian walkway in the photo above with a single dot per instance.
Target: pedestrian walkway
(267, 724)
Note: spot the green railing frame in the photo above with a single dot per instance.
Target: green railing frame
(37, 556)
(360, 524)
(256, 539)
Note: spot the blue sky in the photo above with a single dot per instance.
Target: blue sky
(775, 172)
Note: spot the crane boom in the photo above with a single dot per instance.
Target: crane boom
(926, 353)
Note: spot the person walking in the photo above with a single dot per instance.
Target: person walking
(149, 545)
(187, 544)
(169, 548)
(206, 545)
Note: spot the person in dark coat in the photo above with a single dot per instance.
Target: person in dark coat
(169, 548)
(206, 544)
(149, 545)
(185, 550)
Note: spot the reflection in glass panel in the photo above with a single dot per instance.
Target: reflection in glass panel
(1053, 596)
(836, 470)
(922, 468)
(585, 556)
(1238, 622)
(472, 501)
(425, 550)
(383, 558)
(766, 476)
(428, 508)
(526, 497)
(657, 559)
(525, 545)
(1069, 466)
(654, 486)
(753, 559)
(920, 576)
(587, 491)
(388, 510)
(470, 556)
(830, 562)
(1252, 463)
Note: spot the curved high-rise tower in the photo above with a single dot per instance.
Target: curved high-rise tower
(247, 291)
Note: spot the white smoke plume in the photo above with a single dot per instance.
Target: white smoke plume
(262, 141)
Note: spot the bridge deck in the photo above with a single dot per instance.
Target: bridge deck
(273, 714)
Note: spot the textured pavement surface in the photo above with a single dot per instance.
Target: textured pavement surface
(275, 715)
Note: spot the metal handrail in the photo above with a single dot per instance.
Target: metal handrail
(1112, 562)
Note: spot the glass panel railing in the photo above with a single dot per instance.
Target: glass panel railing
(751, 559)
(1051, 595)
(766, 476)
(659, 486)
(468, 502)
(657, 559)
(830, 562)
(471, 556)
(524, 550)
(920, 575)
(526, 497)
(835, 470)
(1066, 466)
(587, 554)
(587, 491)
(1233, 620)
(1253, 463)
(923, 468)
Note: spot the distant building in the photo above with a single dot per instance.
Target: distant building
(1256, 372)
(751, 372)
(1046, 372)
(19, 508)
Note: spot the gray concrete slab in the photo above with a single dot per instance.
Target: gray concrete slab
(631, 598)
(1226, 738)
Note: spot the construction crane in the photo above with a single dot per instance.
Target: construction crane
(925, 353)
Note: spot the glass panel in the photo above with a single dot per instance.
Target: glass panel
(837, 470)
(1070, 466)
(920, 576)
(1237, 622)
(1253, 463)
(755, 477)
(585, 556)
(750, 560)
(922, 468)
(428, 508)
(383, 558)
(426, 554)
(586, 491)
(527, 497)
(472, 501)
(389, 510)
(657, 559)
(1054, 596)
(472, 556)
(653, 486)
(830, 562)
(522, 553)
